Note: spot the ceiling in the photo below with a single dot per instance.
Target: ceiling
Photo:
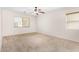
(30, 10)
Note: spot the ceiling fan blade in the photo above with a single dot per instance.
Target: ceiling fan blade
(37, 14)
(42, 12)
(39, 10)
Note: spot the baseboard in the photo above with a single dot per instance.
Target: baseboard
(43, 34)
(59, 37)
(20, 34)
(0, 44)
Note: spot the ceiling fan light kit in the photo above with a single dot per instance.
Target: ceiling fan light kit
(38, 11)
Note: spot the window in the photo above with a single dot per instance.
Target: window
(73, 20)
(21, 21)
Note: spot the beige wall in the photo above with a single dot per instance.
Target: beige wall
(8, 23)
(0, 31)
(54, 24)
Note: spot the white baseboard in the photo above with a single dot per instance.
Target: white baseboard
(60, 37)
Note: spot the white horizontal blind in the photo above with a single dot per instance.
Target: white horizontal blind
(25, 21)
(18, 21)
(73, 21)
(21, 21)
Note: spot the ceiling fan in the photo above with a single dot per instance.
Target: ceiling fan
(38, 11)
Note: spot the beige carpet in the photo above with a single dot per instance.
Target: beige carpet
(36, 42)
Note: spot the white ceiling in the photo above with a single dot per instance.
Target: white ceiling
(30, 10)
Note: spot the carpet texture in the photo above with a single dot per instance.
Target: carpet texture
(37, 42)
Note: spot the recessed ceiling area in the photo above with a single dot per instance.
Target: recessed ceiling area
(30, 10)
